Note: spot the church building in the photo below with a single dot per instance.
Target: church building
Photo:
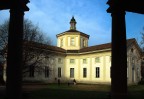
(72, 58)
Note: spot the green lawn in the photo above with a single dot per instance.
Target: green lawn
(72, 92)
(81, 91)
(136, 92)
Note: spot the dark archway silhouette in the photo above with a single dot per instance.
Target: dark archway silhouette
(119, 65)
(15, 39)
(119, 53)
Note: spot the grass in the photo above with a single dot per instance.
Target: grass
(80, 91)
(136, 92)
(83, 92)
(72, 92)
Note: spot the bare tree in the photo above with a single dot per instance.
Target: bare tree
(33, 33)
(3, 38)
(34, 39)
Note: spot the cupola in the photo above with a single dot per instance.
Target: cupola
(72, 39)
(73, 24)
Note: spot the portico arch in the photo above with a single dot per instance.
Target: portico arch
(118, 9)
(15, 39)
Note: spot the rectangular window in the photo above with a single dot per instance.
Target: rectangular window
(59, 72)
(97, 72)
(31, 71)
(84, 72)
(71, 72)
(84, 42)
(72, 61)
(46, 71)
(84, 61)
(61, 42)
(97, 59)
(72, 41)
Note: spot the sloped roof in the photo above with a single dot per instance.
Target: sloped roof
(46, 47)
(104, 46)
(133, 40)
(96, 47)
(86, 49)
(130, 41)
(72, 31)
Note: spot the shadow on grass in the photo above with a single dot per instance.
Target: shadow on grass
(136, 92)
(84, 92)
(71, 92)
(76, 92)
(68, 94)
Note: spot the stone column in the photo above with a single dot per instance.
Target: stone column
(14, 56)
(119, 56)
(119, 51)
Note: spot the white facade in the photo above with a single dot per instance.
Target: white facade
(74, 59)
(89, 67)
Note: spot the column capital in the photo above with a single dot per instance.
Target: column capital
(14, 4)
(116, 6)
(19, 5)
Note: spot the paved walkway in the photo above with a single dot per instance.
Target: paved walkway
(31, 87)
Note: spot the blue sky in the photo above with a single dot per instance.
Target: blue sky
(53, 17)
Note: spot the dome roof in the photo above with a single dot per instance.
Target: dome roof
(73, 19)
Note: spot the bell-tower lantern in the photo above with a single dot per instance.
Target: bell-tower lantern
(73, 24)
